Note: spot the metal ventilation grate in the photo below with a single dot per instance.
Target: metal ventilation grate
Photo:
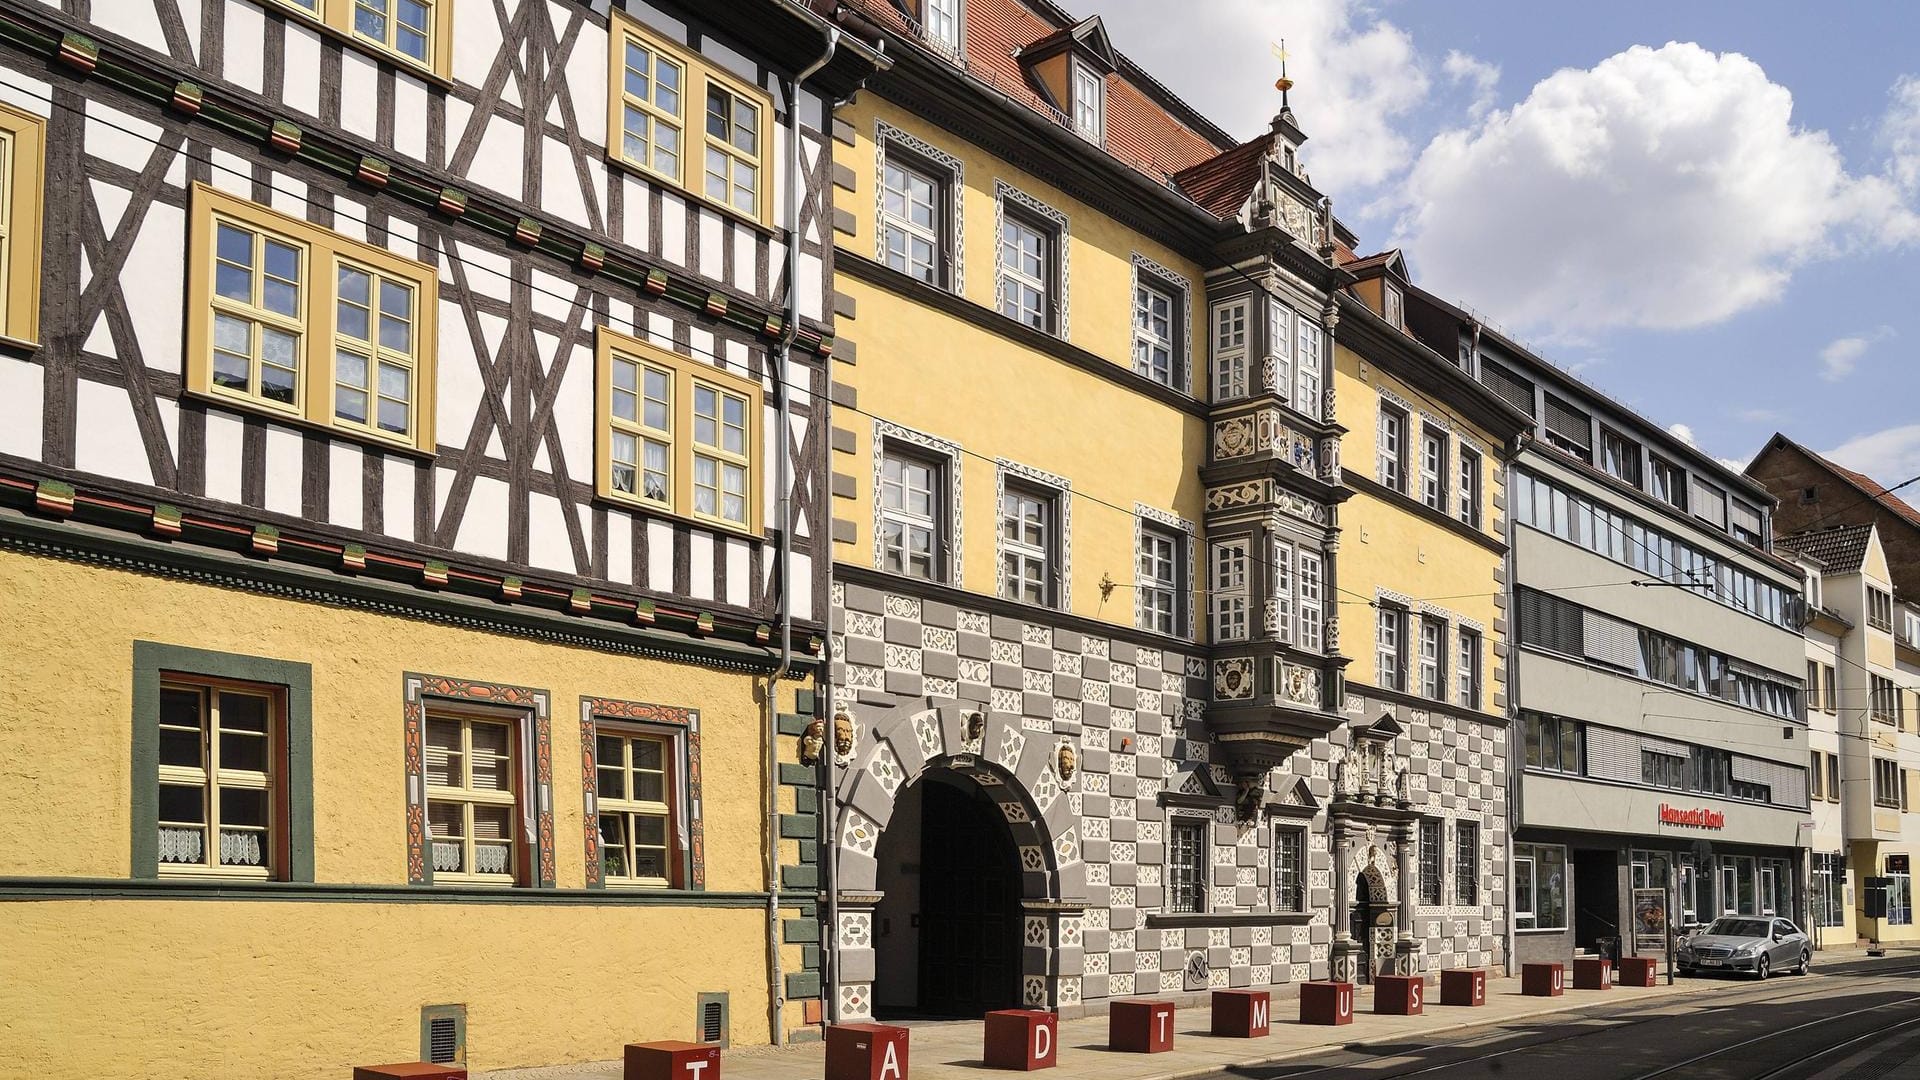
(711, 1018)
(443, 1034)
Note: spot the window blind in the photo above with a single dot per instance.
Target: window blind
(1568, 422)
(1517, 391)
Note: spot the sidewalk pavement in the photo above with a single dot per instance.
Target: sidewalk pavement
(951, 1050)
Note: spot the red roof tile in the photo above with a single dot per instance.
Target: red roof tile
(1223, 182)
(1872, 488)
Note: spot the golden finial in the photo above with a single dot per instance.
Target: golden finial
(1282, 84)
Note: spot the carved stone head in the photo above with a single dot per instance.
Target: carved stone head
(842, 734)
(811, 742)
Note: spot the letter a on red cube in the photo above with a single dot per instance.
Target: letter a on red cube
(1022, 1039)
(866, 1052)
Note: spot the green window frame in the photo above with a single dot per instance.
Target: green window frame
(153, 662)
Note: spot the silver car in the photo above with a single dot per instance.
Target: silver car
(1748, 943)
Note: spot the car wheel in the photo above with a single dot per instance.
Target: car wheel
(1806, 962)
(1760, 967)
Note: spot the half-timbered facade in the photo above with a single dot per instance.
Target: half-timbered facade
(412, 465)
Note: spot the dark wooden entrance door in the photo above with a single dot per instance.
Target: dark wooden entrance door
(970, 920)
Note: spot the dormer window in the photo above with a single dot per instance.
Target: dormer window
(1089, 102)
(940, 22)
(1393, 307)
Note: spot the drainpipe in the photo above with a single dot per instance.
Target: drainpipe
(1516, 750)
(783, 472)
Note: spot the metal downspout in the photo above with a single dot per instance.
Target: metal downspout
(1516, 751)
(783, 472)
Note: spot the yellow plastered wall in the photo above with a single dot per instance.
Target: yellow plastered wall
(1099, 249)
(258, 987)
(928, 371)
(1385, 542)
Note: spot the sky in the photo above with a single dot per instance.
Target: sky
(1709, 210)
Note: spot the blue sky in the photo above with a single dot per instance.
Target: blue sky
(1724, 233)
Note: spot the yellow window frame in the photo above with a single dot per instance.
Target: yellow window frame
(629, 807)
(23, 142)
(210, 777)
(734, 156)
(697, 74)
(325, 252)
(337, 18)
(467, 798)
(687, 374)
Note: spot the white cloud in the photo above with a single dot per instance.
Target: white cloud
(1683, 433)
(1477, 75)
(1900, 133)
(1838, 358)
(1357, 76)
(1662, 188)
(1889, 456)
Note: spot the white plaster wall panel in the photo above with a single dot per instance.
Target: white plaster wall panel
(636, 213)
(112, 135)
(746, 274)
(619, 547)
(231, 173)
(226, 439)
(457, 395)
(135, 19)
(503, 148)
(28, 94)
(410, 117)
(659, 555)
(714, 52)
(660, 330)
(778, 173)
(301, 86)
(487, 273)
(289, 196)
(346, 484)
(811, 287)
(700, 346)
(700, 566)
(547, 543)
(245, 53)
(673, 229)
(107, 439)
(620, 315)
(658, 21)
(22, 389)
(712, 241)
(483, 527)
(555, 297)
(776, 265)
(560, 193)
(168, 410)
(587, 79)
(739, 572)
(403, 239)
(459, 115)
(285, 450)
(396, 505)
(476, 44)
(360, 93)
(573, 414)
(802, 585)
(349, 218)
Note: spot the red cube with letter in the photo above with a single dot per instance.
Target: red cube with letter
(1543, 980)
(1241, 1014)
(1399, 995)
(1326, 1003)
(1592, 973)
(410, 1070)
(1463, 986)
(1140, 1027)
(672, 1060)
(866, 1052)
(1023, 1039)
(1639, 971)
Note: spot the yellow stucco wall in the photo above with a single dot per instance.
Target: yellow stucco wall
(252, 987)
(934, 373)
(1386, 542)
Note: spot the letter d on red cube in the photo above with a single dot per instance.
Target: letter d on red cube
(866, 1052)
(672, 1061)
(1023, 1039)
(1140, 1027)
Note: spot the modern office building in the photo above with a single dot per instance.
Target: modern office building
(411, 456)
(1657, 668)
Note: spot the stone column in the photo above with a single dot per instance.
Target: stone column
(1344, 954)
(1406, 947)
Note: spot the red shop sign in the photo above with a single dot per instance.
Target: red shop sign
(1699, 817)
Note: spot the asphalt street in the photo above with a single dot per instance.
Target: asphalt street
(1858, 1020)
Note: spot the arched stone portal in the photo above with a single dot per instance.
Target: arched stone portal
(1000, 767)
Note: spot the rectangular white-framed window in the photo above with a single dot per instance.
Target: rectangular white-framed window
(1432, 862)
(1433, 652)
(1899, 890)
(1619, 456)
(1669, 483)
(222, 803)
(1393, 305)
(1029, 539)
(1154, 332)
(1187, 865)
(1280, 345)
(1306, 367)
(912, 208)
(1283, 590)
(1392, 446)
(940, 22)
(1886, 783)
(1466, 863)
(1433, 468)
(1309, 584)
(1879, 609)
(636, 784)
(1158, 579)
(912, 514)
(472, 778)
(1026, 269)
(419, 33)
(1230, 351)
(1089, 103)
(1466, 678)
(1467, 491)
(1229, 591)
(1389, 639)
(1289, 868)
(1539, 887)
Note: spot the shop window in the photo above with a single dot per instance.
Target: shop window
(1540, 887)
